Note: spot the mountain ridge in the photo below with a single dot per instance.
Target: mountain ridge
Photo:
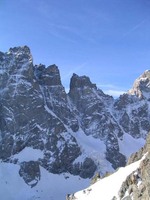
(78, 133)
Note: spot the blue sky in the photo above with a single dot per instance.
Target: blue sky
(107, 40)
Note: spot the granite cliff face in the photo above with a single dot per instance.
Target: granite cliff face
(36, 112)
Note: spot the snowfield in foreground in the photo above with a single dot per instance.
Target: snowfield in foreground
(108, 187)
(56, 187)
(50, 186)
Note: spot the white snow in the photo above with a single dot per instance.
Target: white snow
(139, 183)
(93, 148)
(50, 186)
(28, 154)
(146, 94)
(49, 111)
(2, 71)
(108, 187)
(129, 145)
(39, 127)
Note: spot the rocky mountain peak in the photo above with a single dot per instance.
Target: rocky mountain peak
(80, 82)
(21, 53)
(24, 49)
(49, 76)
(141, 86)
(16, 66)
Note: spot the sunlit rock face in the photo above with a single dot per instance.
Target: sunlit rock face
(141, 86)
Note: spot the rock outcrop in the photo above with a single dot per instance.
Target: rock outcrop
(30, 172)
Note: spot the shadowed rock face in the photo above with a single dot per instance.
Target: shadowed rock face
(133, 115)
(36, 112)
(49, 76)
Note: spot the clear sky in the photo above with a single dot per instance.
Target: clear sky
(107, 40)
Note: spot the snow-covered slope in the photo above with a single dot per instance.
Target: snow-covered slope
(107, 188)
(50, 186)
(131, 182)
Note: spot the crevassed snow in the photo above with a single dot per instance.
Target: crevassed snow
(50, 186)
(28, 154)
(108, 187)
(128, 144)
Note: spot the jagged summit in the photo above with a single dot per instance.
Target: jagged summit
(16, 66)
(80, 82)
(21, 53)
(141, 86)
(49, 76)
(24, 49)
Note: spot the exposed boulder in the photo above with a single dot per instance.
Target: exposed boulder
(30, 172)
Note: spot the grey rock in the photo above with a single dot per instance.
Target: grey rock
(88, 168)
(49, 76)
(30, 172)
